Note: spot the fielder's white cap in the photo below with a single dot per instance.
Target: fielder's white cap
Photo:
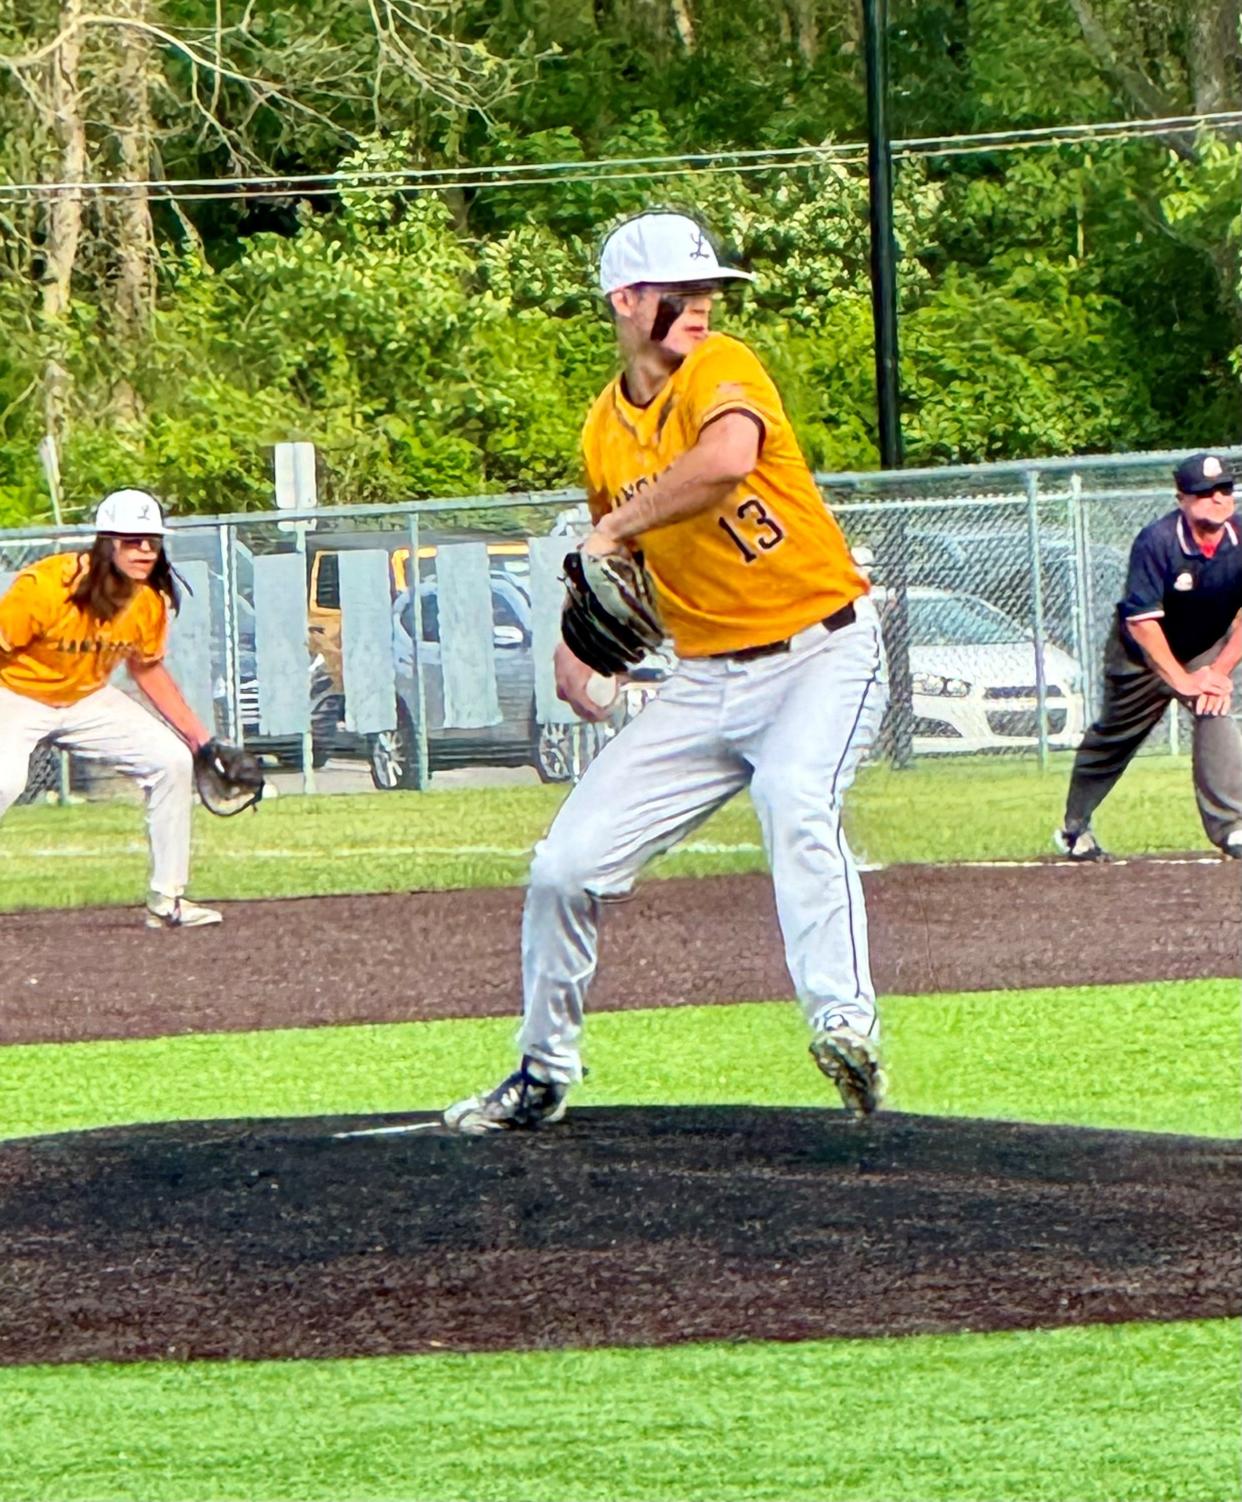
(661, 247)
(132, 513)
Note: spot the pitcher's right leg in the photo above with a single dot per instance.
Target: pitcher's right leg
(663, 774)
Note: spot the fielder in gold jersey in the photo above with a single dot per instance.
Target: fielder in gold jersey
(66, 623)
(780, 688)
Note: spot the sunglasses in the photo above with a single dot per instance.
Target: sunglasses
(154, 543)
(685, 291)
(1224, 488)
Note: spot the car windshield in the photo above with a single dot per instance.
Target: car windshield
(960, 620)
(505, 611)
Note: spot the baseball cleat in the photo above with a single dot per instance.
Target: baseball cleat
(850, 1061)
(176, 912)
(520, 1103)
(1080, 845)
(1232, 848)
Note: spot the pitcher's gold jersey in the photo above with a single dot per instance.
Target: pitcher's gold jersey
(766, 561)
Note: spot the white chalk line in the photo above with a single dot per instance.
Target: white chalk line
(1114, 860)
(389, 1131)
(508, 852)
(523, 853)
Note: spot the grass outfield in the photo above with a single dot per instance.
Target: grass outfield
(1144, 1413)
(1092, 1057)
(979, 809)
(1126, 1413)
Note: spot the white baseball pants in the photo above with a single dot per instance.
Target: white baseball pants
(793, 727)
(111, 727)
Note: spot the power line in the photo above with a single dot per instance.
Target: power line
(503, 176)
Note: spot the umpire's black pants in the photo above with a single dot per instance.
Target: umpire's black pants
(1134, 700)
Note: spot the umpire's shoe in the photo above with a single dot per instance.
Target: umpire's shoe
(176, 912)
(519, 1104)
(850, 1061)
(1080, 845)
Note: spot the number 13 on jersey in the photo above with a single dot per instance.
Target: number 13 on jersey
(753, 529)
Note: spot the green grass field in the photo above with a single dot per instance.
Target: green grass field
(987, 1053)
(1144, 1413)
(1128, 1413)
(944, 811)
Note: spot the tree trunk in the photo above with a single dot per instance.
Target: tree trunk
(62, 228)
(128, 214)
(803, 26)
(683, 23)
(1215, 55)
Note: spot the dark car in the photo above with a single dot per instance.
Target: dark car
(557, 752)
(326, 706)
(516, 740)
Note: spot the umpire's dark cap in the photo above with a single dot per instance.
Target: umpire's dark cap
(1201, 474)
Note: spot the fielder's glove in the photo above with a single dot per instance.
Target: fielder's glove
(610, 620)
(229, 779)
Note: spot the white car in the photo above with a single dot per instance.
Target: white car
(973, 676)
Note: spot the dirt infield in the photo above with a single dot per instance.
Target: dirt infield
(265, 1239)
(284, 1239)
(97, 973)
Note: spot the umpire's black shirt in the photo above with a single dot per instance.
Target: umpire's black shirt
(1195, 598)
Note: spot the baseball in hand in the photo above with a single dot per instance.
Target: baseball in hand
(601, 690)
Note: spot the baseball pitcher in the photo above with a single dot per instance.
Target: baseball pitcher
(691, 463)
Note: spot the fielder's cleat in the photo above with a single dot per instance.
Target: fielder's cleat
(519, 1104)
(1079, 845)
(851, 1063)
(176, 912)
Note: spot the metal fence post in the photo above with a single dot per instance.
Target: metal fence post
(1037, 603)
(901, 683)
(232, 648)
(1078, 599)
(308, 735)
(422, 760)
(1091, 658)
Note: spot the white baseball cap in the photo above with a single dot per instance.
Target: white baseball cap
(132, 513)
(661, 247)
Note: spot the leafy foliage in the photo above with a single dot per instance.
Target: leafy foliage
(449, 342)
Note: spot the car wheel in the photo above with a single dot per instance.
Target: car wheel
(553, 752)
(393, 756)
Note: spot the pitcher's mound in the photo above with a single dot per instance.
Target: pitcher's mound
(301, 1238)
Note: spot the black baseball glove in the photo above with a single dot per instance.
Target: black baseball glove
(610, 619)
(229, 779)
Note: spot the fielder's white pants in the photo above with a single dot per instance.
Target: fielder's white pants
(110, 727)
(793, 727)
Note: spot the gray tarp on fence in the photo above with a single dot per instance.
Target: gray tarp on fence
(189, 642)
(282, 661)
(366, 642)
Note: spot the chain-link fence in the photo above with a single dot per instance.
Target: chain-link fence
(302, 635)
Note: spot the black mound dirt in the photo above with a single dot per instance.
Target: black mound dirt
(283, 1239)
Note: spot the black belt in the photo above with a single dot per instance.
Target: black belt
(834, 622)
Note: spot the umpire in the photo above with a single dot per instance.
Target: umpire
(1178, 635)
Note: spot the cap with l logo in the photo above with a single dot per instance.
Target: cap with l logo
(132, 513)
(661, 247)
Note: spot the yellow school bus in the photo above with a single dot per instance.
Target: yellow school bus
(510, 555)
